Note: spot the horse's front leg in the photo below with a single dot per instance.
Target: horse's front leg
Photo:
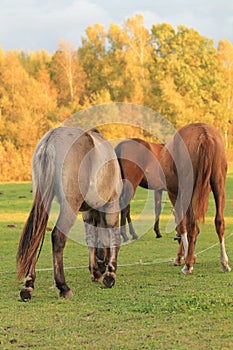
(97, 263)
(124, 202)
(28, 288)
(131, 228)
(185, 244)
(113, 245)
(123, 224)
(158, 207)
(189, 244)
(180, 254)
(110, 276)
(96, 256)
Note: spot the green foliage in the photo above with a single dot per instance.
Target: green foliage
(152, 305)
(177, 72)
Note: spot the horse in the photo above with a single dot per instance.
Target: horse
(81, 171)
(139, 165)
(194, 164)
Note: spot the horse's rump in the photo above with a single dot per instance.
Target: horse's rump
(197, 151)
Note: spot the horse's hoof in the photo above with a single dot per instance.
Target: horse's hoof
(226, 268)
(177, 262)
(26, 293)
(177, 238)
(95, 279)
(109, 280)
(158, 235)
(187, 270)
(97, 276)
(135, 237)
(66, 294)
(125, 239)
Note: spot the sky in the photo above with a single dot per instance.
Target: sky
(33, 25)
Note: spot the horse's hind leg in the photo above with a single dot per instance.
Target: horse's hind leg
(28, 289)
(59, 235)
(217, 186)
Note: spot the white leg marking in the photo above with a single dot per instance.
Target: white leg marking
(224, 257)
(185, 243)
(185, 269)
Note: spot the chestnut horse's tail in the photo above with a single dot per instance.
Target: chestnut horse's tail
(35, 226)
(202, 184)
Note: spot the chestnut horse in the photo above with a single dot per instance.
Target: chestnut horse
(194, 163)
(189, 166)
(81, 171)
(139, 167)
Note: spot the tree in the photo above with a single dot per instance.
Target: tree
(188, 75)
(225, 55)
(25, 116)
(133, 48)
(67, 75)
(92, 54)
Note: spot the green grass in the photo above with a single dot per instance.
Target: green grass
(152, 305)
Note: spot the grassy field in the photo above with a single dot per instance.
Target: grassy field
(152, 305)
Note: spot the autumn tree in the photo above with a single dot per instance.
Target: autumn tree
(92, 55)
(67, 75)
(187, 71)
(25, 117)
(225, 55)
(175, 71)
(132, 46)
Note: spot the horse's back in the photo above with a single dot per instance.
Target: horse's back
(85, 165)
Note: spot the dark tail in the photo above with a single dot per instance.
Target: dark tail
(35, 226)
(202, 186)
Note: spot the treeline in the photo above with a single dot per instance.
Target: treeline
(176, 72)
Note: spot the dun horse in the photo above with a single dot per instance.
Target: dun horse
(139, 167)
(81, 170)
(194, 163)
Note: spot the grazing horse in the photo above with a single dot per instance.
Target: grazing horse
(139, 167)
(194, 163)
(81, 171)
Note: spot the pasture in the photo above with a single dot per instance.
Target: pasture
(152, 305)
